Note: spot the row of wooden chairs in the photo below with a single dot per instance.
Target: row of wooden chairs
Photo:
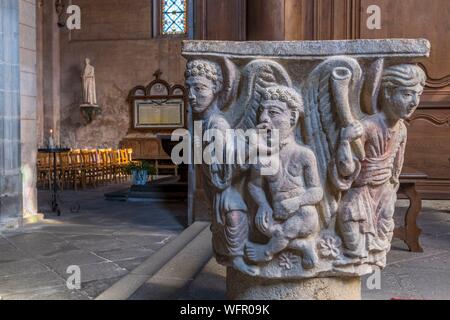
(83, 168)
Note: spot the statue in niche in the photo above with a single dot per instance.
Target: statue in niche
(290, 220)
(230, 227)
(365, 217)
(88, 80)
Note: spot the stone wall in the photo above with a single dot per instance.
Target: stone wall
(10, 177)
(117, 37)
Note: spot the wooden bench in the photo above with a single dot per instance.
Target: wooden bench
(410, 232)
(163, 164)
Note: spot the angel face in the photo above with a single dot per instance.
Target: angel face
(273, 114)
(201, 93)
(402, 102)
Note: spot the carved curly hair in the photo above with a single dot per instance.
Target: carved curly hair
(292, 98)
(208, 69)
(403, 75)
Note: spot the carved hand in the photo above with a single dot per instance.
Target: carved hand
(263, 218)
(352, 132)
(395, 180)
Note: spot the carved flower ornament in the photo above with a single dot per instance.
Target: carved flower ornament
(329, 246)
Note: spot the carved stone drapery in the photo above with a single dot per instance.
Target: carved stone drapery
(339, 108)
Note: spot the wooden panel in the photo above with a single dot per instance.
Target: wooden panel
(145, 149)
(299, 19)
(430, 155)
(293, 15)
(417, 18)
(429, 131)
(265, 20)
(220, 20)
(322, 19)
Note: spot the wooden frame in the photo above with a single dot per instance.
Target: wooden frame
(157, 91)
(146, 106)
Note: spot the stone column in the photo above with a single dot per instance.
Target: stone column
(10, 176)
(28, 101)
(243, 287)
(314, 212)
(51, 77)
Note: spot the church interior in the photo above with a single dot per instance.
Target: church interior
(90, 95)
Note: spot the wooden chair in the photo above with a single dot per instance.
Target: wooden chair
(410, 232)
(77, 174)
(91, 171)
(44, 170)
(101, 165)
(164, 165)
(84, 167)
(64, 169)
(129, 155)
(116, 165)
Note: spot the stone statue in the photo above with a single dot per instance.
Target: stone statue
(291, 220)
(88, 80)
(326, 213)
(365, 217)
(204, 82)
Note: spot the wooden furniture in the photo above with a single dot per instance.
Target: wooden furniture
(53, 152)
(82, 168)
(160, 164)
(160, 98)
(144, 140)
(410, 232)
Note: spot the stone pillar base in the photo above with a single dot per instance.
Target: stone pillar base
(243, 287)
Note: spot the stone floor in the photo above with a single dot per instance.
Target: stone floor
(109, 239)
(419, 276)
(106, 239)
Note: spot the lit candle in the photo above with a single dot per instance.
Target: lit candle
(51, 143)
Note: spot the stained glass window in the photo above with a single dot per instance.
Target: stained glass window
(174, 17)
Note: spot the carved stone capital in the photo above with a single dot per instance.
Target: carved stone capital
(338, 108)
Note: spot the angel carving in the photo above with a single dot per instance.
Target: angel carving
(286, 200)
(210, 85)
(360, 154)
(290, 218)
(207, 89)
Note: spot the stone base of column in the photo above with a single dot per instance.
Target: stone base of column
(243, 287)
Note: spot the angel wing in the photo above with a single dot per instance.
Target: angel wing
(230, 83)
(256, 76)
(332, 101)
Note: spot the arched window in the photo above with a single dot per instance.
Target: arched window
(172, 18)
